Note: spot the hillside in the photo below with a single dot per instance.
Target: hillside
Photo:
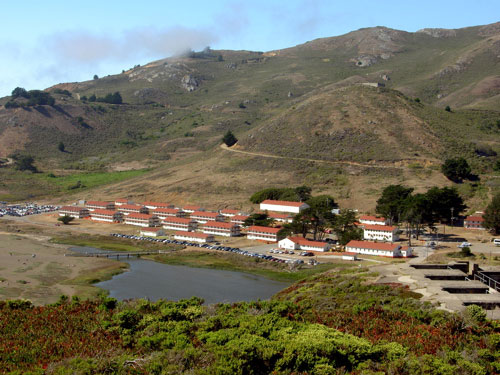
(305, 102)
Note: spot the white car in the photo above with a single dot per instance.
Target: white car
(464, 244)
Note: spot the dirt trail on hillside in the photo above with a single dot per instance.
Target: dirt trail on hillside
(352, 163)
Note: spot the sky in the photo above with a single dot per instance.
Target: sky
(43, 43)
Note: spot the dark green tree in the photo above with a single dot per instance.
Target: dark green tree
(391, 203)
(443, 202)
(229, 139)
(319, 215)
(456, 169)
(24, 163)
(19, 92)
(345, 228)
(303, 193)
(96, 77)
(417, 212)
(492, 215)
(261, 219)
(447, 108)
(61, 147)
(92, 98)
(66, 219)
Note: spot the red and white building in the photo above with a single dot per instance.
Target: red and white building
(190, 208)
(193, 237)
(179, 223)
(108, 216)
(380, 233)
(238, 219)
(474, 222)
(163, 213)
(203, 217)
(300, 243)
(142, 220)
(256, 232)
(229, 213)
(283, 206)
(282, 218)
(221, 229)
(128, 209)
(120, 201)
(384, 249)
(155, 205)
(373, 220)
(153, 232)
(100, 205)
(74, 211)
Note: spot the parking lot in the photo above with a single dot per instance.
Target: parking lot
(25, 209)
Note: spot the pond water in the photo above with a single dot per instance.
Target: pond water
(152, 280)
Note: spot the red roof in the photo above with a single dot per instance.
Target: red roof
(121, 200)
(72, 208)
(474, 218)
(282, 203)
(229, 211)
(384, 246)
(276, 215)
(177, 220)
(104, 212)
(383, 228)
(130, 207)
(257, 228)
(139, 216)
(204, 214)
(239, 218)
(98, 203)
(372, 218)
(153, 229)
(166, 210)
(306, 242)
(218, 224)
(192, 234)
(191, 208)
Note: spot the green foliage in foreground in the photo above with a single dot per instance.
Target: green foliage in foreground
(330, 324)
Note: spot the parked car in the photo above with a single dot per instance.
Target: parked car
(464, 244)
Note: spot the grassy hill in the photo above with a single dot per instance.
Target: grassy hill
(305, 104)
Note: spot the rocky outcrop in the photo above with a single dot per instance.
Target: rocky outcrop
(189, 83)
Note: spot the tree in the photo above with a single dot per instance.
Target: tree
(24, 162)
(19, 92)
(492, 215)
(345, 228)
(391, 203)
(303, 192)
(61, 147)
(261, 219)
(456, 169)
(92, 98)
(417, 212)
(319, 214)
(447, 108)
(443, 202)
(229, 139)
(96, 77)
(66, 219)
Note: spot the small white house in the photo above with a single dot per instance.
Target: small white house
(194, 237)
(283, 206)
(280, 217)
(373, 220)
(300, 243)
(229, 213)
(74, 211)
(120, 201)
(190, 208)
(155, 205)
(153, 232)
(380, 233)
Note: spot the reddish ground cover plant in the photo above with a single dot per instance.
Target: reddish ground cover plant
(32, 337)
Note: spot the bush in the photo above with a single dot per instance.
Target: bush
(229, 139)
(65, 219)
(456, 169)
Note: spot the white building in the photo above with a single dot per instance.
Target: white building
(221, 229)
(193, 237)
(238, 219)
(155, 205)
(142, 220)
(153, 232)
(256, 232)
(128, 209)
(282, 218)
(190, 208)
(163, 213)
(120, 201)
(373, 220)
(203, 217)
(378, 248)
(106, 216)
(100, 205)
(380, 233)
(300, 243)
(179, 224)
(283, 206)
(229, 213)
(74, 211)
